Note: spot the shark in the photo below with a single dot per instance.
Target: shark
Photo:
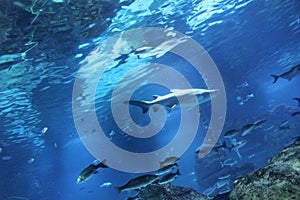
(171, 100)
(289, 75)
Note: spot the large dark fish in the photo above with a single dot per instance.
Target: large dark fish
(89, 171)
(168, 178)
(231, 133)
(295, 113)
(250, 127)
(138, 182)
(289, 75)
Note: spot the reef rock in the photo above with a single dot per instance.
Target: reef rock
(280, 179)
(169, 192)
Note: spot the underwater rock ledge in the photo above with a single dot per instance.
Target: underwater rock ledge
(280, 179)
(169, 192)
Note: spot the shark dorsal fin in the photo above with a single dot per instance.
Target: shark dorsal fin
(175, 90)
(155, 96)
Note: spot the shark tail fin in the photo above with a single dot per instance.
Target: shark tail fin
(142, 104)
(297, 99)
(275, 78)
(118, 189)
(102, 164)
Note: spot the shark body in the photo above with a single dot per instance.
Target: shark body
(289, 75)
(171, 100)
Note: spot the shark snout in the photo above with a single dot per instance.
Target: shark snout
(214, 91)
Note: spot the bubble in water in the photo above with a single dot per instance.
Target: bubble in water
(6, 158)
(31, 160)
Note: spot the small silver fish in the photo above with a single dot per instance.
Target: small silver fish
(228, 162)
(107, 184)
(166, 169)
(284, 123)
(222, 183)
(168, 178)
(259, 123)
(238, 145)
(247, 129)
(224, 177)
(224, 190)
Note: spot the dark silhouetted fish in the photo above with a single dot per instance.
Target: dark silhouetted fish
(229, 162)
(298, 100)
(289, 75)
(206, 147)
(250, 127)
(168, 178)
(138, 182)
(295, 113)
(259, 123)
(166, 169)
(247, 129)
(231, 133)
(89, 171)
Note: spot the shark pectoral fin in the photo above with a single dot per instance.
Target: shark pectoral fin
(155, 96)
(275, 78)
(142, 104)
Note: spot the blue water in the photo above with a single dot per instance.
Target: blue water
(248, 41)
